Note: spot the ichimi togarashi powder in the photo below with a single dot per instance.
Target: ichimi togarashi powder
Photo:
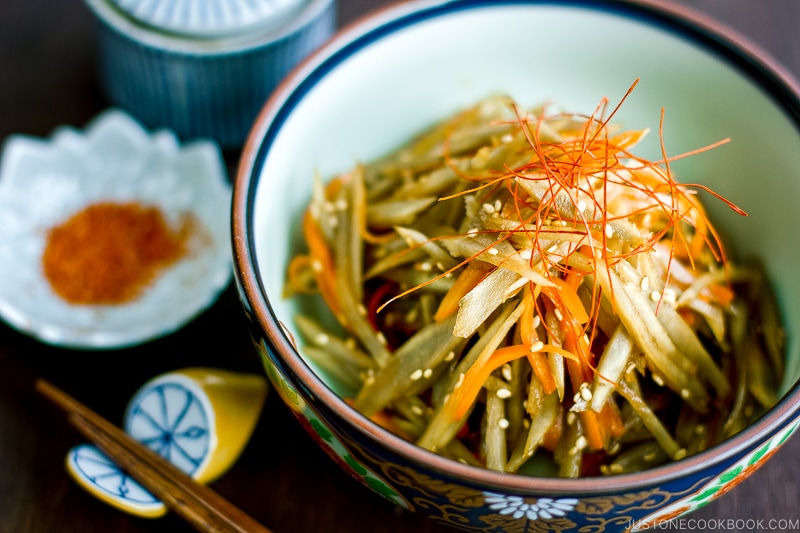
(108, 253)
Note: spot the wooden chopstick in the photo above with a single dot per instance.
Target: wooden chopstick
(206, 510)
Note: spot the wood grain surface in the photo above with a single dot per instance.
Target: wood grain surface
(47, 78)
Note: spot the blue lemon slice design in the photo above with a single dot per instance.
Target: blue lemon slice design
(99, 475)
(172, 420)
(171, 416)
(199, 419)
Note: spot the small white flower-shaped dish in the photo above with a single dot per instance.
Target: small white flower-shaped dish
(45, 181)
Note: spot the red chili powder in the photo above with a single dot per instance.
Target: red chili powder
(108, 253)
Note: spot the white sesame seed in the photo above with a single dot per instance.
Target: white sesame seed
(425, 266)
(573, 451)
(680, 454)
(645, 284)
(586, 393)
(503, 393)
(488, 209)
(361, 310)
(316, 266)
(571, 418)
(460, 380)
(507, 138)
(685, 394)
(381, 338)
(498, 205)
(650, 457)
(658, 380)
(581, 442)
(526, 253)
(552, 249)
(537, 321)
(503, 423)
(559, 314)
(450, 356)
(581, 206)
(655, 296)
(472, 232)
(417, 410)
(427, 373)
(537, 346)
(506, 371)
(670, 296)
(493, 251)
(322, 339)
(615, 468)
(609, 231)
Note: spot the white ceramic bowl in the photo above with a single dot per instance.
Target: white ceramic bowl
(405, 67)
(44, 181)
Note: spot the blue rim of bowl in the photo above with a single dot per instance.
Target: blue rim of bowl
(700, 29)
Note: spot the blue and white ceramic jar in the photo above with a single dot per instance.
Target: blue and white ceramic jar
(203, 68)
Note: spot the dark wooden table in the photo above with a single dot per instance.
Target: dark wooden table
(46, 79)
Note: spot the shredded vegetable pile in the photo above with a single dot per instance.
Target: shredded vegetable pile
(515, 289)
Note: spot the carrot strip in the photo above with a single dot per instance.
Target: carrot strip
(538, 361)
(472, 274)
(579, 368)
(325, 272)
(722, 294)
(464, 394)
(541, 368)
(565, 296)
(611, 420)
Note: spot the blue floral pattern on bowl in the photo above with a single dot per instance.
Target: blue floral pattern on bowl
(456, 503)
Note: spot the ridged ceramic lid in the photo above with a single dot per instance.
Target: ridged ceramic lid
(209, 18)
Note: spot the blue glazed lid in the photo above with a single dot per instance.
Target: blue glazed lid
(209, 18)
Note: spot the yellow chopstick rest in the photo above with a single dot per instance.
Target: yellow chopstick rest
(198, 418)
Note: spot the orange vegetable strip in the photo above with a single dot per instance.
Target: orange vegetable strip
(319, 251)
(538, 360)
(471, 276)
(579, 369)
(565, 296)
(611, 420)
(541, 368)
(722, 294)
(464, 394)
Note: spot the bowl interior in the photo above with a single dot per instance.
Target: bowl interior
(379, 83)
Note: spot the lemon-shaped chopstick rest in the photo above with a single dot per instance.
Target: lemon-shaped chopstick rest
(200, 419)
